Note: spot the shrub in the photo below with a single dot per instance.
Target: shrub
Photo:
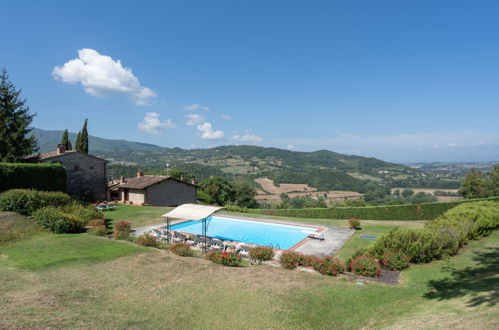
(182, 249)
(354, 223)
(236, 208)
(122, 229)
(98, 231)
(226, 258)
(57, 221)
(96, 223)
(25, 201)
(290, 260)
(365, 266)
(46, 177)
(329, 266)
(261, 253)
(308, 261)
(147, 240)
(395, 260)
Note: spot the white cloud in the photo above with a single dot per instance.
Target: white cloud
(292, 148)
(208, 133)
(226, 117)
(248, 138)
(153, 125)
(195, 107)
(194, 119)
(101, 75)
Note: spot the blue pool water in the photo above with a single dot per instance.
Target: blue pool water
(253, 232)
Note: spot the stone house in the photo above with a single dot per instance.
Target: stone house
(86, 174)
(156, 190)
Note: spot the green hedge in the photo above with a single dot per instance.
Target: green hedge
(26, 201)
(71, 218)
(424, 211)
(46, 177)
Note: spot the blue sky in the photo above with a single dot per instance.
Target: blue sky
(402, 81)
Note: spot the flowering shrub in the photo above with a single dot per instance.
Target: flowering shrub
(354, 223)
(147, 240)
(182, 249)
(365, 266)
(395, 260)
(261, 253)
(329, 266)
(308, 261)
(290, 260)
(225, 258)
(122, 229)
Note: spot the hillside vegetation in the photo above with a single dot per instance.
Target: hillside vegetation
(323, 169)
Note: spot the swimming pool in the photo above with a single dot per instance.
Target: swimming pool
(254, 232)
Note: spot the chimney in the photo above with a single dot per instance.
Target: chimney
(122, 179)
(60, 149)
(140, 174)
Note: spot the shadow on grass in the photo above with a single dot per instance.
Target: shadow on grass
(480, 282)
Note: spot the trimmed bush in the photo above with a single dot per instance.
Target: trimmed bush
(423, 211)
(96, 223)
(441, 237)
(182, 249)
(365, 266)
(71, 218)
(236, 208)
(261, 253)
(226, 258)
(290, 260)
(25, 201)
(354, 223)
(329, 266)
(395, 260)
(122, 229)
(46, 177)
(147, 240)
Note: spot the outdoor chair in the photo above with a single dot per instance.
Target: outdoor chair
(191, 239)
(243, 250)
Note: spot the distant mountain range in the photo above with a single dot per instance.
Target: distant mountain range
(48, 140)
(323, 169)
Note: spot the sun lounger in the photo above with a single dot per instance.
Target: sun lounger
(217, 244)
(178, 237)
(316, 235)
(191, 239)
(243, 250)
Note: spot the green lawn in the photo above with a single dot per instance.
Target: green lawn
(138, 215)
(84, 281)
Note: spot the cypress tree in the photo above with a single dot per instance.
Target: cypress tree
(14, 123)
(84, 138)
(78, 142)
(65, 140)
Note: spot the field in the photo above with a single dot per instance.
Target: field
(272, 193)
(150, 289)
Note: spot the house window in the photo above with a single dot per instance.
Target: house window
(91, 167)
(77, 168)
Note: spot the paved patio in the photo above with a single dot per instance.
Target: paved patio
(334, 237)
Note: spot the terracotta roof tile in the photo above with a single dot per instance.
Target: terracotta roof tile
(148, 180)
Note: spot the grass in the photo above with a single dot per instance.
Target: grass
(138, 215)
(158, 290)
(49, 250)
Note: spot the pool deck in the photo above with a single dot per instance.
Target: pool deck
(334, 237)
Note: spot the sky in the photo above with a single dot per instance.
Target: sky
(403, 81)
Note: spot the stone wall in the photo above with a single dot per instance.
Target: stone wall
(83, 173)
(170, 193)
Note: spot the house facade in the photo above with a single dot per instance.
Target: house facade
(156, 190)
(85, 174)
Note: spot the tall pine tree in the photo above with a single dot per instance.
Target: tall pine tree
(14, 123)
(65, 140)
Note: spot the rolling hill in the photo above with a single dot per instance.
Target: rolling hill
(322, 169)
